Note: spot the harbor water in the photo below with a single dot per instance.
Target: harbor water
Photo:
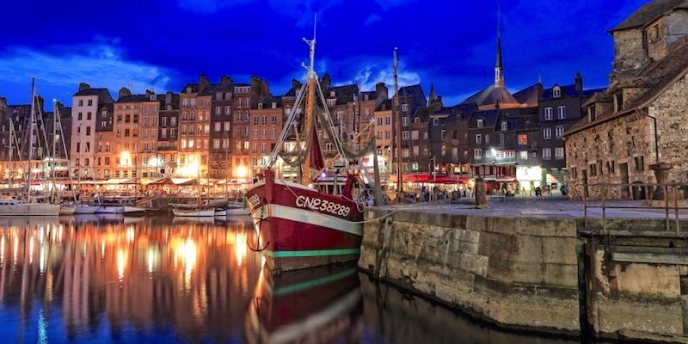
(162, 280)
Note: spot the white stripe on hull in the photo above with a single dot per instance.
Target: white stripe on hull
(85, 209)
(30, 209)
(194, 213)
(309, 217)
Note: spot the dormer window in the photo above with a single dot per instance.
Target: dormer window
(188, 89)
(274, 105)
(479, 123)
(404, 107)
(260, 106)
(416, 120)
(618, 102)
(591, 113)
(332, 94)
(556, 92)
(505, 126)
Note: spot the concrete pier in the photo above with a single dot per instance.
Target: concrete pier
(538, 269)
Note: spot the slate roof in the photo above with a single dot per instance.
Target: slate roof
(102, 93)
(650, 12)
(490, 96)
(529, 95)
(384, 105)
(412, 95)
(654, 79)
(344, 94)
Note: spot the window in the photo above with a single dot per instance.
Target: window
(81, 102)
(559, 153)
(218, 126)
(443, 134)
(505, 126)
(523, 155)
(404, 107)
(416, 150)
(522, 139)
(547, 153)
(561, 112)
(81, 116)
(479, 123)
(556, 92)
(404, 121)
(559, 131)
(88, 115)
(88, 131)
(435, 121)
(405, 135)
(477, 154)
(639, 163)
(548, 114)
(547, 133)
(405, 152)
(501, 139)
(478, 138)
(414, 135)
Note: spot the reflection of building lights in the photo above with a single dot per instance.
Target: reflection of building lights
(130, 233)
(152, 259)
(2, 249)
(121, 262)
(30, 250)
(186, 252)
(240, 248)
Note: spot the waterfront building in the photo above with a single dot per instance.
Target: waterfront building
(168, 139)
(634, 132)
(86, 102)
(267, 119)
(194, 129)
(383, 137)
(415, 148)
(220, 129)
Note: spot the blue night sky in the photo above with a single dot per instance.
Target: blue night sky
(164, 44)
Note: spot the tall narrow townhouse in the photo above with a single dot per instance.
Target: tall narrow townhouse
(194, 129)
(85, 105)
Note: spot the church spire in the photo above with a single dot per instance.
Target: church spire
(499, 67)
(433, 95)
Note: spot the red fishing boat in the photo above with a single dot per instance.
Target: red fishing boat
(308, 223)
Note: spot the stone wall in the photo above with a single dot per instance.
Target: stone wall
(620, 151)
(519, 273)
(629, 54)
(671, 111)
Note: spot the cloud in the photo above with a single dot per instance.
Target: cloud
(210, 6)
(61, 68)
(372, 19)
(369, 70)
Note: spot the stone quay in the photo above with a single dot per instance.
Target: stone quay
(540, 266)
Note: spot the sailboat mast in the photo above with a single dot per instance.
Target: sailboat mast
(309, 122)
(396, 115)
(31, 118)
(10, 169)
(56, 114)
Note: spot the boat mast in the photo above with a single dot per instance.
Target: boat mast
(58, 118)
(396, 116)
(309, 123)
(31, 118)
(10, 169)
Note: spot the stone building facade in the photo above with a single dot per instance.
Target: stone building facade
(635, 132)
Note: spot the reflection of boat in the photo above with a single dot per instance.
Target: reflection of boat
(299, 306)
(193, 211)
(203, 219)
(303, 226)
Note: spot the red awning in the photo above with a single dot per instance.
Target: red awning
(430, 179)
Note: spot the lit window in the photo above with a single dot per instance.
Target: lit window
(561, 112)
(548, 114)
(556, 92)
(478, 138)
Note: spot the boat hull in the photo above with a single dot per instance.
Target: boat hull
(67, 210)
(110, 210)
(85, 209)
(194, 212)
(300, 227)
(30, 209)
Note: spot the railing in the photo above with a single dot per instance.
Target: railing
(670, 198)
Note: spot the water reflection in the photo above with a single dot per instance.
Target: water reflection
(158, 279)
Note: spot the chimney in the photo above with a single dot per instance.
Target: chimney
(295, 84)
(202, 82)
(149, 92)
(124, 92)
(579, 83)
(84, 86)
(326, 82)
(225, 81)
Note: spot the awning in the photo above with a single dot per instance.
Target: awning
(430, 179)
(117, 181)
